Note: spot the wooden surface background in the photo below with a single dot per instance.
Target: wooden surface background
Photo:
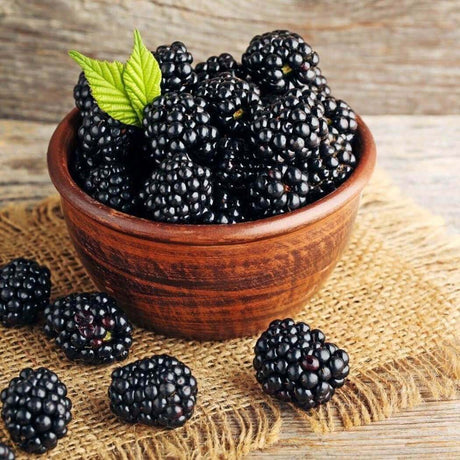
(383, 57)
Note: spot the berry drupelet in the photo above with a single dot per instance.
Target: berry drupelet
(179, 191)
(24, 291)
(276, 190)
(295, 364)
(288, 131)
(84, 100)
(156, 391)
(110, 184)
(231, 101)
(6, 453)
(280, 60)
(176, 67)
(89, 327)
(36, 410)
(216, 65)
(178, 123)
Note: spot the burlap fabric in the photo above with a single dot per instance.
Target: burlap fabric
(392, 302)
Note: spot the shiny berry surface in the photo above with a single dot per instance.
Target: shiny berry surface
(280, 60)
(231, 101)
(179, 123)
(294, 363)
(24, 291)
(159, 390)
(179, 191)
(89, 327)
(176, 67)
(36, 410)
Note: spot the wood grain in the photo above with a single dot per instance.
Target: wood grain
(426, 431)
(423, 148)
(383, 57)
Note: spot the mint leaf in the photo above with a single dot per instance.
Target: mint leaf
(141, 76)
(106, 82)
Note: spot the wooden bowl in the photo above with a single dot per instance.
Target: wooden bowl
(208, 281)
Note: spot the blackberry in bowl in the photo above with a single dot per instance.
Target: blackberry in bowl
(241, 206)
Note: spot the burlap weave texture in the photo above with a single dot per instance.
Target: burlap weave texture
(392, 302)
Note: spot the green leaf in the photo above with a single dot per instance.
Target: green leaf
(106, 82)
(141, 76)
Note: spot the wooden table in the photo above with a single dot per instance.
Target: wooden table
(422, 155)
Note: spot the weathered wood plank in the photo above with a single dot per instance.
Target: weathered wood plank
(429, 430)
(384, 57)
(23, 171)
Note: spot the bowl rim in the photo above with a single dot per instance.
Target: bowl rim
(63, 139)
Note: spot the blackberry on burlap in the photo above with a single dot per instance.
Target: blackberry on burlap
(296, 364)
(89, 327)
(24, 291)
(36, 410)
(159, 390)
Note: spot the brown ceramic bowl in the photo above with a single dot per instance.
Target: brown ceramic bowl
(208, 281)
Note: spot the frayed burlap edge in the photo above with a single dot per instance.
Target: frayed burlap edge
(231, 435)
(372, 395)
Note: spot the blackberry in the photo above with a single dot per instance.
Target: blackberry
(276, 190)
(333, 165)
(178, 123)
(112, 185)
(6, 453)
(159, 390)
(24, 291)
(295, 364)
(179, 191)
(216, 65)
(100, 131)
(89, 327)
(36, 410)
(227, 209)
(84, 100)
(288, 131)
(234, 165)
(232, 102)
(176, 67)
(280, 60)
(83, 161)
(340, 116)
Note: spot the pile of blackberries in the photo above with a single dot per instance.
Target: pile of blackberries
(225, 142)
